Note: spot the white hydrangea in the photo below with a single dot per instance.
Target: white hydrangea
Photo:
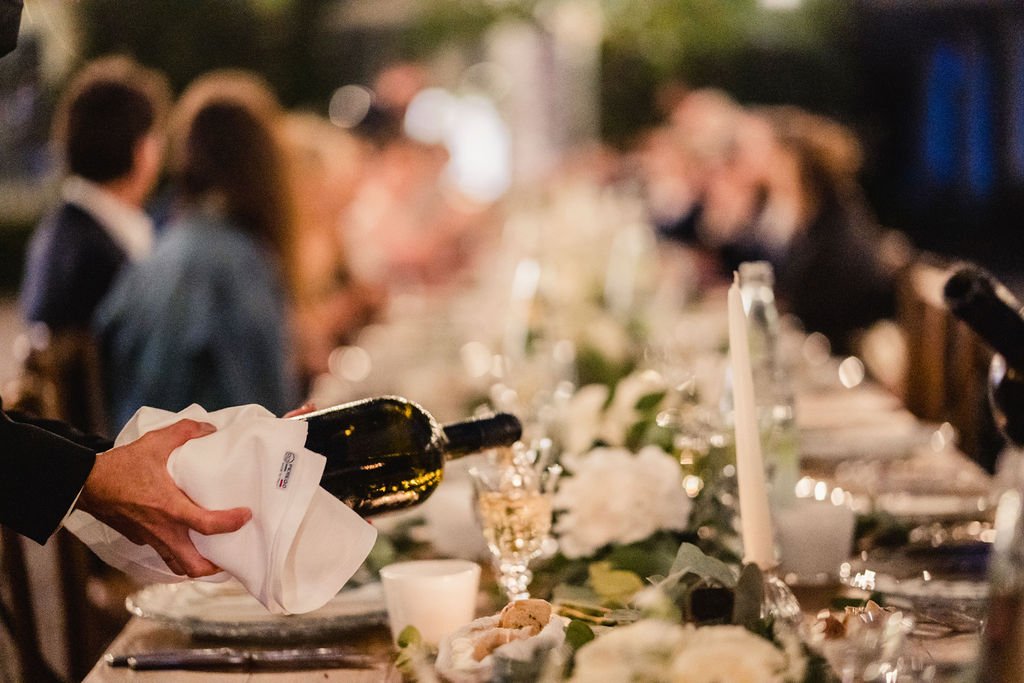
(583, 417)
(642, 651)
(661, 652)
(614, 496)
(606, 335)
(714, 654)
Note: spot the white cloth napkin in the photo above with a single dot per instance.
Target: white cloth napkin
(301, 545)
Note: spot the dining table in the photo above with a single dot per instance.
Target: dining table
(854, 436)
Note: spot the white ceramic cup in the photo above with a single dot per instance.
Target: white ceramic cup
(436, 596)
(815, 537)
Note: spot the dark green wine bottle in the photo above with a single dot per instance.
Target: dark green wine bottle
(989, 308)
(388, 453)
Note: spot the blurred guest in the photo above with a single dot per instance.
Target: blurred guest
(203, 319)
(679, 162)
(408, 227)
(736, 193)
(834, 270)
(330, 303)
(108, 130)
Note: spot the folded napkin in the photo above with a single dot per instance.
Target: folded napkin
(301, 545)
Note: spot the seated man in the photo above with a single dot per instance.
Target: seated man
(109, 130)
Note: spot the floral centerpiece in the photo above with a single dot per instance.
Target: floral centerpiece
(704, 621)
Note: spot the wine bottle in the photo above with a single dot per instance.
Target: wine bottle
(773, 391)
(994, 314)
(388, 453)
(991, 310)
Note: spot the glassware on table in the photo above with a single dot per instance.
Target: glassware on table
(874, 647)
(513, 503)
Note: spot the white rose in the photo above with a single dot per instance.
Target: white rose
(641, 651)
(647, 496)
(583, 417)
(720, 654)
(608, 337)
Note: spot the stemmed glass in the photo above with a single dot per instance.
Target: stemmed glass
(513, 504)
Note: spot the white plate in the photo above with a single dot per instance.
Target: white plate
(933, 507)
(883, 440)
(226, 610)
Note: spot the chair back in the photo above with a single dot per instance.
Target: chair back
(947, 363)
(60, 379)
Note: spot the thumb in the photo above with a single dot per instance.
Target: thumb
(181, 431)
(209, 522)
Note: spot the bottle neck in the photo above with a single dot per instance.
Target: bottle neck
(990, 310)
(471, 436)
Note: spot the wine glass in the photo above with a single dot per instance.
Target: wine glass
(514, 508)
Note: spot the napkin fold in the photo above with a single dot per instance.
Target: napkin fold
(301, 545)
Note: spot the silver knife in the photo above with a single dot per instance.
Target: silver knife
(221, 657)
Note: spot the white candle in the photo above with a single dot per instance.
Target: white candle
(755, 515)
(815, 537)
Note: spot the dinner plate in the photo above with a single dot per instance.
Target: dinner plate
(925, 508)
(209, 610)
(880, 441)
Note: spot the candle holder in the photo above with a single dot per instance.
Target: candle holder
(778, 603)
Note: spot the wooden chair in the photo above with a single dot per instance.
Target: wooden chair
(61, 379)
(17, 615)
(947, 363)
(923, 316)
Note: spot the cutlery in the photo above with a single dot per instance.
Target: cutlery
(220, 657)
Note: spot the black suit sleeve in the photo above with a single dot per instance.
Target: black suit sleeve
(10, 20)
(44, 466)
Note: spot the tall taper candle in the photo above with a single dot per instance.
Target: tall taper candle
(755, 515)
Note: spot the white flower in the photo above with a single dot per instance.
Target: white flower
(607, 336)
(661, 652)
(614, 496)
(638, 652)
(622, 413)
(583, 417)
(728, 654)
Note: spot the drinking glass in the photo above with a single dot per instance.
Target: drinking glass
(513, 503)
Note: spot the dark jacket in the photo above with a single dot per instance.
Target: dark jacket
(833, 277)
(70, 266)
(45, 464)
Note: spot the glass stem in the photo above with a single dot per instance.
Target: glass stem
(515, 578)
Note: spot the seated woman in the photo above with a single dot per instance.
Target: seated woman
(839, 270)
(204, 320)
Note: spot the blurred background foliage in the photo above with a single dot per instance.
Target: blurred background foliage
(871, 64)
(306, 49)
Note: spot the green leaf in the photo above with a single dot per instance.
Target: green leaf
(575, 594)
(746, 610)
(649, 402)
(578, 634)
(614, 586)
(409, 637)
(636, 435)
(653, 555)
(691, 560)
